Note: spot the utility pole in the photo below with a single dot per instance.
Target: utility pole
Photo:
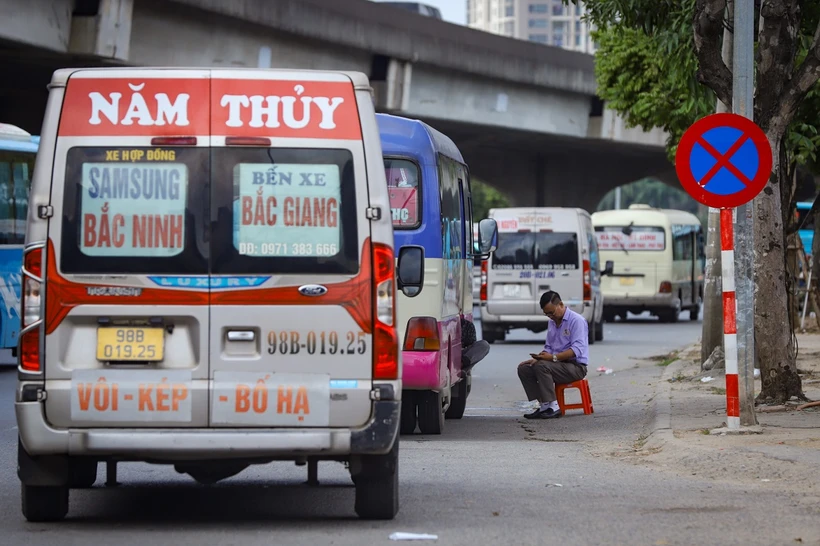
(743, 104)
(712, 331)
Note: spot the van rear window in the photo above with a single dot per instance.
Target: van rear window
(635, 238)
(284, 211)
(135, 210)
(546, 251)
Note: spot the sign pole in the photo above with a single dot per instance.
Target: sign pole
(730, 337)
(743, 105)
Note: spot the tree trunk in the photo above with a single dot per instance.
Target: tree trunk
(774, 337)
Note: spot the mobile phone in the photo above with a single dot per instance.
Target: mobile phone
(535, 355)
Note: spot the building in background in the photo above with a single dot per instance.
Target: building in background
(548, 22)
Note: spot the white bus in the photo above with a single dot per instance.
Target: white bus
(659, 257)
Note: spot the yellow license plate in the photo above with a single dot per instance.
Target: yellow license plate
(130, 344)
(627, 281)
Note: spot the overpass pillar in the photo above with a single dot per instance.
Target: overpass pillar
(106, 33)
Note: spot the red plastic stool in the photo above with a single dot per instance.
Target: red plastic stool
(586, 397)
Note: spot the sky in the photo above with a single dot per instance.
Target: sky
(454, 11)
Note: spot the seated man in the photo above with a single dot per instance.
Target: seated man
(563, 360)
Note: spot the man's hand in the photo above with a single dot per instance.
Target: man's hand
(543, 355)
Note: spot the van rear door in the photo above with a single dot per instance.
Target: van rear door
(291, 265)
(557, 259)
(123, 348)
(511, 282)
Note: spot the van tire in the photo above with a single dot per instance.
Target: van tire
(491, 335)
(83, 474)
(458, 403)
(591, 333)
(408, 412)
(430, 416)
(669, 315)
(42, 504)
(599, 330)
(694, 311)
(377, 485)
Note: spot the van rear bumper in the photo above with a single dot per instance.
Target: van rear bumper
(421, 370)
(375, 438)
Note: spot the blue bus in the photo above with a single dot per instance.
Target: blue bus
(431, 206)
(18, 149)
(806, 225)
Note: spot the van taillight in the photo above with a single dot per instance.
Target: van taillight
(385, 340)
(587, 281)
(483, 293)
(422, 335)
(30, 303)
(666, 287)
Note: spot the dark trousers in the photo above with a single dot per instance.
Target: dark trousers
(539, 379)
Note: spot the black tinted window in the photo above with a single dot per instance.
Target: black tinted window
(135, 210)
(556, 250)
(515, 251)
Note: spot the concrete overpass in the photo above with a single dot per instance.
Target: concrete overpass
(524, 115)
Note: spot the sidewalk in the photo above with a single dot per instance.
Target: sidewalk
(784, 455)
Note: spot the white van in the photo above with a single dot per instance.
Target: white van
(209, 281)
(660, 261)
(540, 249)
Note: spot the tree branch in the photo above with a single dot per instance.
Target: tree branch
(708, 28)
(805, 77)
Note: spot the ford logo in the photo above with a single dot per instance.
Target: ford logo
(312, 290)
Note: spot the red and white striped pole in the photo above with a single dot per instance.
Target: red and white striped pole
(727, 260)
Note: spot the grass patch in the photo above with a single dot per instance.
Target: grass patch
(717, 390)
(705, 431)
(668, 360)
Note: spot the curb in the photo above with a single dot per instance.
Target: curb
(661, 432)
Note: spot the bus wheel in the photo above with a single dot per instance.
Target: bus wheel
(459, 401)
(408, 412)
(430, 416)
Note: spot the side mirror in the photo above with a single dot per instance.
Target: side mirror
(410, 270)
(608, 268)
(487, 236)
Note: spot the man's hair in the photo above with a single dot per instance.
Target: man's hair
(550, 296)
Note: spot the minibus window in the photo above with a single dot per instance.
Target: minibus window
(515, 251)
(640, 238)
(403, 186)
(556, 250)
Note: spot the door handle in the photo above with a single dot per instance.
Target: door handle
(565, 274)
(241, 335)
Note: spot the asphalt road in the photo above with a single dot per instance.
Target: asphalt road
(492, 478)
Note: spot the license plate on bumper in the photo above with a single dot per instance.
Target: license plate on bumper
(130, 344)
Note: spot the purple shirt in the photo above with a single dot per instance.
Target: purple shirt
(572, 334)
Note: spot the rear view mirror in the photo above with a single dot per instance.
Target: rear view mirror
(608, 268)
(410, 270)
(487, 234)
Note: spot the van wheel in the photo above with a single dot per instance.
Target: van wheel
(377, 485)
(431, 418)
(669, 315)
(599, 330)
(591, 333)
(459, 401)
(694, 312)
(609, 316)
(408, 412)
(83, 474)
(44, 503)
(491, 335)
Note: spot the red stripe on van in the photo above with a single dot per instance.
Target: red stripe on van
(354, 294)
(63, 295)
